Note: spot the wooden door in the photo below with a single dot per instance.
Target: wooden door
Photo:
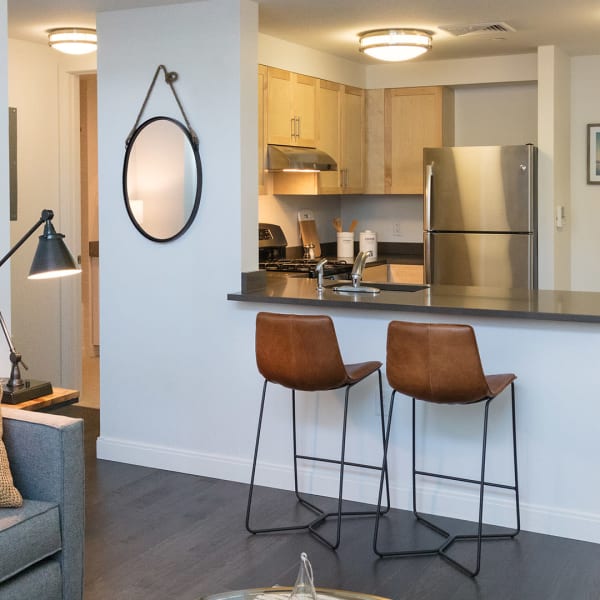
(353, 140)
(329, 100)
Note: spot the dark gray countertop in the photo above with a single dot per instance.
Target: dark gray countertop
(460, 300)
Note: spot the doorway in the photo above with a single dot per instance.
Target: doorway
(90, 246)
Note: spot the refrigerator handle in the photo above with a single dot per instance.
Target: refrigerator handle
(427, 257)
(427, 199)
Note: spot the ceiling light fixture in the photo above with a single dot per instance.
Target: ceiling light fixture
(395, 44)
(73, 40)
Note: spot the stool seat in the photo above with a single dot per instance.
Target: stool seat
(301, 353)
(440, 364)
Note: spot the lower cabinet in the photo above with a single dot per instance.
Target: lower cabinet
(405, 273)
(394, 273)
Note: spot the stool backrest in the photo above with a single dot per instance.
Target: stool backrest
(435, 362)
(299, 351)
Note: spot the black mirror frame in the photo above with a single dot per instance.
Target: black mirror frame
(194, 146)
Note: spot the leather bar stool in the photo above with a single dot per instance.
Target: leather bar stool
(440, 363)
(301, 353)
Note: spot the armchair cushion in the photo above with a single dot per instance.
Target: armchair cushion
(29, 535)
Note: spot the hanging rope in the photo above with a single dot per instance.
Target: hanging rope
(170, 78)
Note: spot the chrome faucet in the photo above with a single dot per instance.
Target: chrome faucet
(319, 271)
(359, 265)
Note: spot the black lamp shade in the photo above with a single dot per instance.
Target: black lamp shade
(52, 257)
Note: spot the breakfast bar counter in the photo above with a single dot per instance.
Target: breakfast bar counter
(549, 339)
(455, 300)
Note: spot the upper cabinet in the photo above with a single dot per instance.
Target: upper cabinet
(414, 118)
(341, 134)
(262, 92)
(400, 123)
(291, 108)
(352, 172)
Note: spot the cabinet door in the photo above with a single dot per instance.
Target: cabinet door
(305, 110)
(279, 106)
(353, 141)
(406, 273)
(329, 106)
(262, 89)
(414, 119)
(376, 273)
(291, 108)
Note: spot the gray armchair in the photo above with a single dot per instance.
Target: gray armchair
(41, 543)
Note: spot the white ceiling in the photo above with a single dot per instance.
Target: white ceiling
(332, 25)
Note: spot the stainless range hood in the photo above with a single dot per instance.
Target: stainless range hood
(294, 159)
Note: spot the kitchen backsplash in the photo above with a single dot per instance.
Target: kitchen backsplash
(396, 219)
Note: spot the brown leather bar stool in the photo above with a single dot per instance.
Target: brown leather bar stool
(301, 353)
(441, 364)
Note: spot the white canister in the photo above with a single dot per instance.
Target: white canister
(368, 241)
(345, 245)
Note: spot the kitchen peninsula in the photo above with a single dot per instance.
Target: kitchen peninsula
(549, 339)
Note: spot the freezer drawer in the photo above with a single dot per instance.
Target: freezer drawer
(480, 188)
(482, 259)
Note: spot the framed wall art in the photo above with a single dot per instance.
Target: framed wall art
(593, 153)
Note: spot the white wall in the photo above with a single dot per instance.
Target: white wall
(300, 59)
(176, 361)
(488, 115)
(585, 198)
(5, 304)
(47, 157)
(464, 71)
(554, 145)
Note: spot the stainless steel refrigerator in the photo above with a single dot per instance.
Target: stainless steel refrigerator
(480, 216)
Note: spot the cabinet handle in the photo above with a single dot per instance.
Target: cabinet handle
(298, 129)
(293, 127)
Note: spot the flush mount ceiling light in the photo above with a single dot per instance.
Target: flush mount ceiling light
(395, 44)
(73, 40)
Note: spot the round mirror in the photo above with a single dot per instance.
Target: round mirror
(162, 179)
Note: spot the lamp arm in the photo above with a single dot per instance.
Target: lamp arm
(7, 334)
(46, 216)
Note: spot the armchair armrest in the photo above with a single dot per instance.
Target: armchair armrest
(47, 462)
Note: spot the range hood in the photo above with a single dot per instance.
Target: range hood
(293, 159)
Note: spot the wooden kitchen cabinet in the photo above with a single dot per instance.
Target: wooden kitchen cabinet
(375, 273)
(262, 147)
(414, 118)
(400, 123)
(341, 112)
(291, 108)
(330, 133)
(405, 273)
(352, 161)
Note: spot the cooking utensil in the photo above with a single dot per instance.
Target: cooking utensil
(337, 224)
(353, 225)
(308, 231)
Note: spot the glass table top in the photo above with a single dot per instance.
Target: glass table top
(282, 593)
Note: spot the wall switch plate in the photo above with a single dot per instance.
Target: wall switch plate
(397, 229)
(560, 216)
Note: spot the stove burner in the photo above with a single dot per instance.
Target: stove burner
(306, 265)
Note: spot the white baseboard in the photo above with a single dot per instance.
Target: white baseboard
(443, 498)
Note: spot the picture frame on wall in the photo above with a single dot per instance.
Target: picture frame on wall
(593, 153)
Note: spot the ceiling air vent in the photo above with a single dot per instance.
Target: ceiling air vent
(478, 28)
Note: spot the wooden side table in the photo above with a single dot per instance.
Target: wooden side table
(59, 397)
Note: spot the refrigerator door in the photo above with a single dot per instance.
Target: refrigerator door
(480, 188)
(484, 259)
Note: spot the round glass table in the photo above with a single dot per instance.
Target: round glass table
(283, 593)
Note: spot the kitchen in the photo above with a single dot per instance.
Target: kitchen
(397, 219)
(557, 500)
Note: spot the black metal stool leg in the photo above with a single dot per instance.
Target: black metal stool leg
(321, 515)
(479, 537)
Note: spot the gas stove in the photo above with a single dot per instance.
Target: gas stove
(306, 266)
(272, 256)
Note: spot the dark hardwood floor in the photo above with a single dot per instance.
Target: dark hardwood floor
(153, 534)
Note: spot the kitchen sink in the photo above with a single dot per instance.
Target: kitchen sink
(383, 286)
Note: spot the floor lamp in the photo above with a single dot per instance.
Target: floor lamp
(52, 259)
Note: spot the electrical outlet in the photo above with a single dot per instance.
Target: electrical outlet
(397, 229)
